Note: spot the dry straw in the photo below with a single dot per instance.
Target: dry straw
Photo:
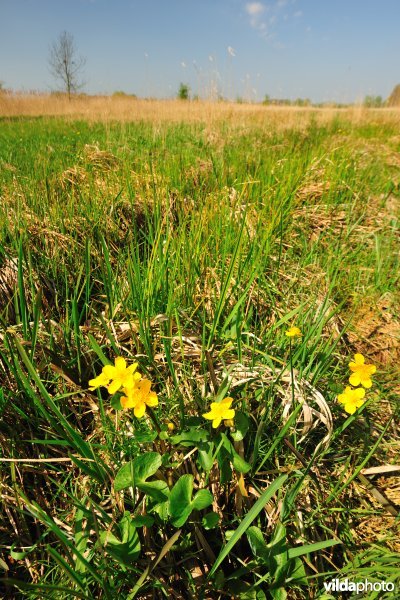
(104, 108)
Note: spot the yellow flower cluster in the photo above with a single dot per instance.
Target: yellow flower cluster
(136, 390)
(361, 375)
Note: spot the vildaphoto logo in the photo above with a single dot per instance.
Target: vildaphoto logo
(344, 585)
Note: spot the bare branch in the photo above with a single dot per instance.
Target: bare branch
(65, 65)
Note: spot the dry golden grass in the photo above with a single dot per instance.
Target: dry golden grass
(106, 108)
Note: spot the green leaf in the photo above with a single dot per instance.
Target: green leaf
(81, 538)
(161, 509)
(135, 472)
(95, 346)
(146, 465)
(297, 572)
(145, 436)
(158, 490)
(115, 402)
(125, 548)
(242, 423)
(190, 438)
(238, 462)
(224, 464)
(248, 519)
(181, 503)
(257, 543)
(202, 499)
(124, 477)
(143, 521)
(210, 520)
(252, 595)
(301, 550)
(180, 499)
(278, 593)
(205, 456)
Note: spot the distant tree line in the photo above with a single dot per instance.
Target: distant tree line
(369, 101)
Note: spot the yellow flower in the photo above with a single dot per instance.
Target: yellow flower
(352, 399)
(170, 426)
(219, 411)
(119, 375)
(138, 397)
(293, 332)
(361, 372)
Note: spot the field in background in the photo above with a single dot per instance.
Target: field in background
(184, 233)
(109, 108)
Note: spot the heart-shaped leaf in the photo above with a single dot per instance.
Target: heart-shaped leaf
(210, 520)
(136, 471)
(181, 503)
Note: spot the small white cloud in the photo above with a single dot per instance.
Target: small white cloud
(265, 17)
(255, 8)
(231, 51)
(183, 64)
(297, 14)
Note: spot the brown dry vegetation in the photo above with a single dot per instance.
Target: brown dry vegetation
(107, 108)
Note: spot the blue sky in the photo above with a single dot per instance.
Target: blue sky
(339, 50)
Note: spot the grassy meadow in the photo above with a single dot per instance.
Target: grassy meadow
(190, 238)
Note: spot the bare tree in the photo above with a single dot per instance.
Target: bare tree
(65, 65)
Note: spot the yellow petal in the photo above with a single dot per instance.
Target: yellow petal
(229, 414)
(209, 415)
(109, 371)
(367, 383)
(359, 359)
(120, 363)
(227, 402)
(145, 386)
(355, 379)
(350, 408)
(127, 402)
(139, 410)
(132, 380)
(152, 399)
(216, 422)
(98, 381)
(114, 386)
(359, 392)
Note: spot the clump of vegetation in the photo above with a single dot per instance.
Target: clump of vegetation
(198, 341)
(122, 94)
(394, 98)
(373, 102)
(184, 92)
